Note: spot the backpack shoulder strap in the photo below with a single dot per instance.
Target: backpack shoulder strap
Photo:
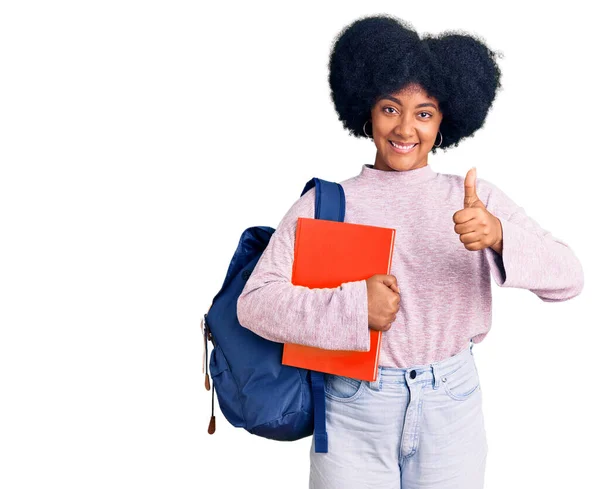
(330, 200)
(330, 204)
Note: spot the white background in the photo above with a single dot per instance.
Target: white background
(139, 139)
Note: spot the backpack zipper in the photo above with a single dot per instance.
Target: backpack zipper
(208, 336)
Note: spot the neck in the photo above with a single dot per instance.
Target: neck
(395, 177)
(381, 164)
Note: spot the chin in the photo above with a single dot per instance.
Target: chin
(404, 163)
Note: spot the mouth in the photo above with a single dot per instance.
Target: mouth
(402, 148)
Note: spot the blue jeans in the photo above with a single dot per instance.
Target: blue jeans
(418, 427)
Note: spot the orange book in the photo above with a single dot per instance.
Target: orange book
(326, 255)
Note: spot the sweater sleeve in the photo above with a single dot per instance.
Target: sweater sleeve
(275, 309)
(531, 257)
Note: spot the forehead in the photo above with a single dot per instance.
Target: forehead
(409, 95)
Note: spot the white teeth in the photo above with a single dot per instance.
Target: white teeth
(400, 146)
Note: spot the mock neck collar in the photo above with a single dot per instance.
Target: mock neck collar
(406, 177)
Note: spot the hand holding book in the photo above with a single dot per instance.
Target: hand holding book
(384, 301)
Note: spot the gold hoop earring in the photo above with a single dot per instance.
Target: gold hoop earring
(370, 136)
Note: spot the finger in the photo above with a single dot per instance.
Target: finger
(464, 215)
(475, 246)
(470, 191)
(469, 238)
(390, 280)
(466, 227)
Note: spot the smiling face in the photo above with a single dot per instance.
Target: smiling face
(407, 117)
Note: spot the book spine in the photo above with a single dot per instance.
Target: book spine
(298, 227)
(391, 251)
(389, 270)
(377, 355)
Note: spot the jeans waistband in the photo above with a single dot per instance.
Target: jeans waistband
(433, 372)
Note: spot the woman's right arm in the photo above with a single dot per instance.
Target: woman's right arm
(275, 309)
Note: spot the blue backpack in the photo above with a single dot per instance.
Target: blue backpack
(255, 391)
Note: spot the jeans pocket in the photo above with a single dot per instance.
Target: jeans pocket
(463, 382)
(343, 389)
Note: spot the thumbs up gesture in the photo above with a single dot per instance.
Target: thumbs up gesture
(478, 228)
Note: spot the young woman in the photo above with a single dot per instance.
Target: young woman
(420, 424)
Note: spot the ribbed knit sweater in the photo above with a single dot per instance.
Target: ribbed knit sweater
(445, 289)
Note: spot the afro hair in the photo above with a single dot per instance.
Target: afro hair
(380, 55)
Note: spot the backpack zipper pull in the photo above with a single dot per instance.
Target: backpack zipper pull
(203, 329)
(207, 336)
(206, 378)
(205, 356)
(212, 424)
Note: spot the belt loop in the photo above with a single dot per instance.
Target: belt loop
(471, 346)
(436, 375)
(376, 384)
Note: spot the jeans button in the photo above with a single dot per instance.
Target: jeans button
(413, 374)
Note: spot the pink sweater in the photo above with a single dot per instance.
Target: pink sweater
(445, 289)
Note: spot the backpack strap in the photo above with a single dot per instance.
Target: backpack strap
(317, 381)
(330, 204)
(330, 200)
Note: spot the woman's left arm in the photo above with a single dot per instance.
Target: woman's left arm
(528, 256)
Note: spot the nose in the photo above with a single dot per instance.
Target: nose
(404, 129)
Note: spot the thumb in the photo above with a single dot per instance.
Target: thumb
(470, 192)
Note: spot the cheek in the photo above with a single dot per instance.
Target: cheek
(429, 135)
(431, 131)
(382, 125)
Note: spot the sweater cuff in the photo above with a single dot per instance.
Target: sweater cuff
(510, 268)
(357, 325)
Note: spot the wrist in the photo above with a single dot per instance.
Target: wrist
(497, 246)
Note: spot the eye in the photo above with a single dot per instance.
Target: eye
(389, 107)
(427, 113)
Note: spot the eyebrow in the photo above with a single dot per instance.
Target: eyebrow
(394, 99)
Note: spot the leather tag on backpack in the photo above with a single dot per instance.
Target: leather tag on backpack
(211, 426)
